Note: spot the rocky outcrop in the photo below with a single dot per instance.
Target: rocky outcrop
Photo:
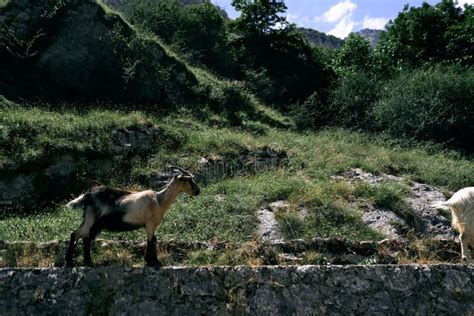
(373, 36)
(79, 49)
(429, 222)
(268, 228)
(271, 290)
(320, 38)
(217, 167)
(44, 184)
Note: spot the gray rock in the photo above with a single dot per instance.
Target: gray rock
(433, 224)
(268, 226)
(430, 223)
(382, 220)
(135, 139)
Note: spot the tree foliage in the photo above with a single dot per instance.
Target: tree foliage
(355, 55)
(259, 16)
(427, 35)
(267, 45)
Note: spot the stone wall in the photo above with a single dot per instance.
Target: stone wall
(303, 290)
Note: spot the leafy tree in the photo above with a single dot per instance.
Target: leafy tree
(162, 18)
(268, 46)
(202, 37)
(355, 55)
(460, 36)
(429, 104)
(352, 100)
(427, 35)
(259, 16)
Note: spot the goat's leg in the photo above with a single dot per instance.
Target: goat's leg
(465, 254)
(151, 259)
(70, 250)
(81, 232)
(87, 251)
(87, 245)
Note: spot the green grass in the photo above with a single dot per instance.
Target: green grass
(36, 134)
(226, 209)
(389, 194)
(333, 219)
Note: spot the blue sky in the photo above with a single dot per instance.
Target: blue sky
(340, 17)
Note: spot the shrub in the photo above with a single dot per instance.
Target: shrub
(431, 104)
(352, 100)
(227, 98)
(310, 114)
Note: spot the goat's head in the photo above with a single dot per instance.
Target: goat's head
(185, 181)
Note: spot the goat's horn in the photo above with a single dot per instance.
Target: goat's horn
(183, 171)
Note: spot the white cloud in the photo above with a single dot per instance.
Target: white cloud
(292, 18)
(343, 28)
(461, 3)
(374, 23)
(338, 12)
(341, 14)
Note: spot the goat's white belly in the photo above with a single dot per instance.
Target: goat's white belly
(464, 223)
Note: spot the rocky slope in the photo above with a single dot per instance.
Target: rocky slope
(373, 36)
(321, 39)
(80, 49)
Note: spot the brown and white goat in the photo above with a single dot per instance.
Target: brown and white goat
(112, 209)
(461, 205)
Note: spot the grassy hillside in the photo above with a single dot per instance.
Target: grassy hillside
(71, 132)
(226, 210)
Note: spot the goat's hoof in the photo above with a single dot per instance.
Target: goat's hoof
(154, 264)
(465, 260)
(69, 264)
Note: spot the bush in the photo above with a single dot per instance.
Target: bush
(352, 100)
(310, 114)
(227, 98)
(432, 104)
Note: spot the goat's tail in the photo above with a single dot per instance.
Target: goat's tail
(78, 202)
(441, 205)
